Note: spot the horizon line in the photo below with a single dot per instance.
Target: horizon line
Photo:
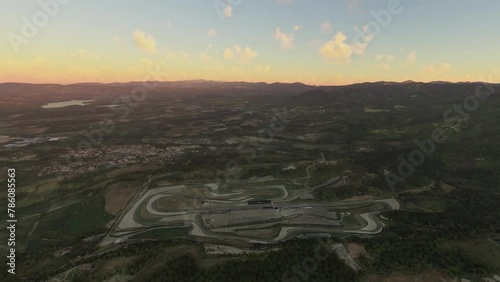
(250, 82)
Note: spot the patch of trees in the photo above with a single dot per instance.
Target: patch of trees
(485, 178)
(412, 241)
(272, 266)
(341, 192)
(261, 171)
(418, 254)
(198, 160)
(469, 212)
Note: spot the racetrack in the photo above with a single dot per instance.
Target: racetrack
(219, 213)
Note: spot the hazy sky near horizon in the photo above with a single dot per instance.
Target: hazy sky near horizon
(323, 42)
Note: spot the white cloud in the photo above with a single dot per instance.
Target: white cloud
(337, 48)
(412, 57)
(297, 27)
(384, 61)
(236, 52)
(205, 57)
(326, 27)
(169, 55)
(82, 54)
(385, 66)
(287, 41)
(387, 58)
(212, 33)
(145, 42)
(172, 55)
(228, 54)
(117, 40)
(263, 69)
(445, 67)
(440, 69)
(228, 11)
(360, 47)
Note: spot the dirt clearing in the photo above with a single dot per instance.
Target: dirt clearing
(116, 199)
(356, 250)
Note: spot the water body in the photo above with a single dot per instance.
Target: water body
(25, 142)
(66, 104)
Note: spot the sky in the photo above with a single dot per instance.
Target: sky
(322, 42)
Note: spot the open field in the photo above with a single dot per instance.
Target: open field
(482, 250)
(117, 199)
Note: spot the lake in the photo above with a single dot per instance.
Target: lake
(66, 104)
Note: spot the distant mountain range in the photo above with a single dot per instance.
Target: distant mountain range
(287, 93)
(389, 92)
